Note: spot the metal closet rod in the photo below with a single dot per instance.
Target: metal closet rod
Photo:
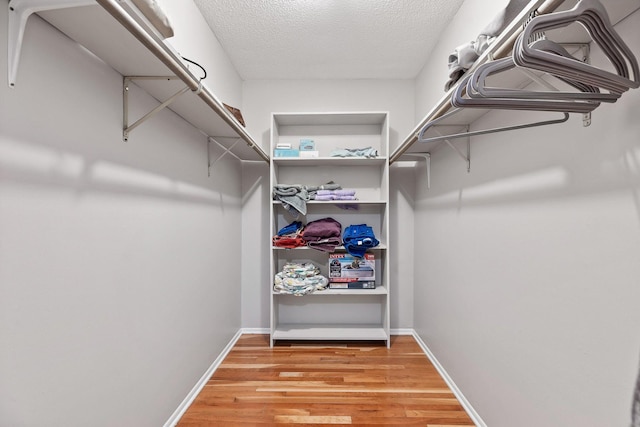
(179, 69)
(500, 48)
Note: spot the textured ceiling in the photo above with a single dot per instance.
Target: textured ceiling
(328, 39)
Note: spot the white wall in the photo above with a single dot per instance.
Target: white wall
(119, 262)
(261, 98)
(527, 288)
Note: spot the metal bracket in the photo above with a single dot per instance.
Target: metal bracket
(19, 13)
(427, 159)
(586, 58)
(226, 151)
(466, 157)
(126, 129)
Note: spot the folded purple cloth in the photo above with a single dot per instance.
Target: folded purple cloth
(324, 198)
(322, 229)
(335, 193)
(325, 245)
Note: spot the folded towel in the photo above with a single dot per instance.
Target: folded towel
(321, 229)
(358, 238)
(336, 192)
(334, 197)
(292, 228)
(325, 245)
(289, 242)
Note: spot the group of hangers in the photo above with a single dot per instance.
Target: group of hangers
(588, 85)
(549, 57)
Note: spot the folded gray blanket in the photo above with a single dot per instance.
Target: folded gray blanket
(463, 56)
(294, 197)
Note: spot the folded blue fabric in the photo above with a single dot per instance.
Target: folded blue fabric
(358, 238)
(290, 229)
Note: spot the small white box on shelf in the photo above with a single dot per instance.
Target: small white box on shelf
(309, 154)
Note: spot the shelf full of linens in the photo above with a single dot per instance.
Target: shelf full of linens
(330, 274)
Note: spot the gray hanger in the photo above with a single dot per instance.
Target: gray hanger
(523, 103)
(434, 122)
(593, 17)
(549, 57)
(476, 86)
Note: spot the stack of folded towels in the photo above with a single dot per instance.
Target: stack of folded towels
(289, 236)
(299, 279)
(324, 195)
(358, 238)
(323, 234)
(294, 197)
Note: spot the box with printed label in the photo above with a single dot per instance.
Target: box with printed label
(307, 145)
(347, 268)
(352, 285)
(279, 152)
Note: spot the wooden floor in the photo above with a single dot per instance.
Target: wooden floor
(314, 383)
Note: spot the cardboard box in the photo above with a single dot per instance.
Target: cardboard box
(352, 285)
(286, 153)
(347, 268)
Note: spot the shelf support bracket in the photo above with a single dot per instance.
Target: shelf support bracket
(586, 58)
(427, 159)
(19, 13)
(226, 151)
(126, 129)
(466, 157)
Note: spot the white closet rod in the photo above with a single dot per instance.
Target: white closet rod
(500, 48)
(179, 69)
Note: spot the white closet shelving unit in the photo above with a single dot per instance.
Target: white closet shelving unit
(570, 36)
(333, 314)
(116, 32)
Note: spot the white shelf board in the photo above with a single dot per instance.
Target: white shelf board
(330, 118)
(329, 161)
(96, 30)
(381, 247)
(380, 290)
(339, 202)
(329, 332)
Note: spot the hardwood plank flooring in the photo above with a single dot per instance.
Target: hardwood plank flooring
(326, 384)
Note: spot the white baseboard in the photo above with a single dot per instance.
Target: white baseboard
(261, 331)
(475, 417)
(405, 331)
(182, 408)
